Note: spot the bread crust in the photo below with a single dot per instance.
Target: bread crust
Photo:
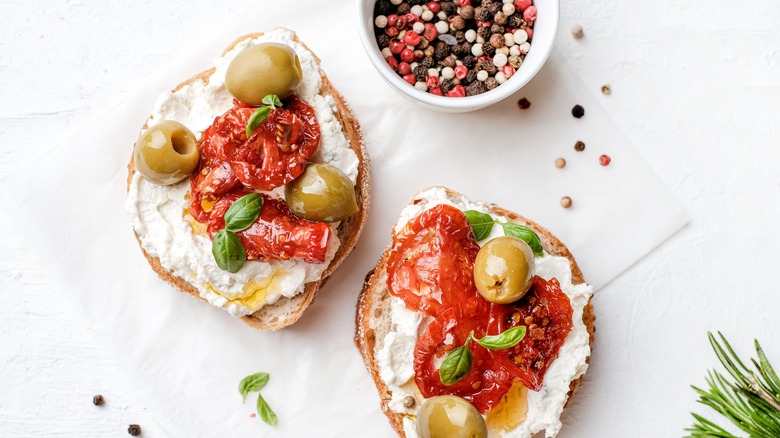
(273, 317)
(374, 301)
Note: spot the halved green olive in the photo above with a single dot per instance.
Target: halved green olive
(262, 69)
(448, 416)
(166, 153)
(503, 269)
(322, 193)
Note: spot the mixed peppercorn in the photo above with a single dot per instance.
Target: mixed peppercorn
(454, 48)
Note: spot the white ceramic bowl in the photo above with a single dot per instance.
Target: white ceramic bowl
(545, 28)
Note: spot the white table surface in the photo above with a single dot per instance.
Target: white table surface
(695, 86)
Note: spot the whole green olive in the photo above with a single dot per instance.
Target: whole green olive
(263, 69)
(448, 416)
(322, 193)
(166, 153)
(503, 269)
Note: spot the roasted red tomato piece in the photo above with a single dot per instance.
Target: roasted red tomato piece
(276, 233)
(431, 263)
(275, 154)
(486, 383)
(547, 314)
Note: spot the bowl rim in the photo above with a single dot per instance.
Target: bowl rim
(365, 29)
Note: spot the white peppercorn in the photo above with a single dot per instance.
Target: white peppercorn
(520, 36)
(380, 21)
(447, 73)
(500, 60)
(482, 76)
(441, 26)
(476, 49)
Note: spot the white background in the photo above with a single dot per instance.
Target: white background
(695, 86)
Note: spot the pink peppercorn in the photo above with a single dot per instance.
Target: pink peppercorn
(530, 32)
(457, 91)
(430, 33)
(392, 62)
(434, 7)
(396, 47)
(530, 14)
(392, 32)
(418, 55)
(391, 20)
(465, 2)
(432, 82)
(604, 160)
(412, 38)
(411, 19)
(508, 71)
(400, 23)
(436, 91)
(407, 55)
(460, 72)
(404, 68)
(410, 78)
(521, 5)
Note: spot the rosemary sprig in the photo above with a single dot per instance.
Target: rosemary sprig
(751, 402)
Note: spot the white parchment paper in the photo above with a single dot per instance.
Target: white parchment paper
(187, 358)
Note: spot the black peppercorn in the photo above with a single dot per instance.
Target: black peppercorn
(460, 36)
(578, 111)
(488, 66)
(488, 50)
(442, 51)
(134, 430)
(457, 22)
(423, 44)
(523, 104)
(476, 87)
(494, 8)
(427, 62)
(383, 7)
(515, 21)
(482, 14)
(579, 146)
(497, 28)
(491, 83)
(484, 32)
(446, 85)
(98, 400)
(469, 61)
(467, 12)
(461, 49)
(417, 2)
(383, 40)
(500, 18)
(448, 8)
(450, 61)
(471, 76)
(404, 9)
(419, 73)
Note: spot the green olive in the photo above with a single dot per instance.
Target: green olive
(263, 69)
(322, 193)
(166, 153)
(503, 269)
(448, 416)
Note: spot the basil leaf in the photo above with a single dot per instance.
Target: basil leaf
(228, 251)
(256, 119)
(265, 411)
(272, 100)
(505, 340)
(255, 382)
(456, 365)
(243, 212)
(481, 223)
(525, 233)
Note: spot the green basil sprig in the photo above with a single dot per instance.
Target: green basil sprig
(505, 340)
(457, 364)
(254, 383)
(228, 251)
(243, 212)
(260, 115)
(482, 224)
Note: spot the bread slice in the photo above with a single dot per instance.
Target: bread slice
(373, 309)
(286, 311)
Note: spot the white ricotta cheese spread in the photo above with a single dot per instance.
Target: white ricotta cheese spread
(158, 212)
(545, 406)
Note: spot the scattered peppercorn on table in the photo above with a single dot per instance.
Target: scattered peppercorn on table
(82, 321)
